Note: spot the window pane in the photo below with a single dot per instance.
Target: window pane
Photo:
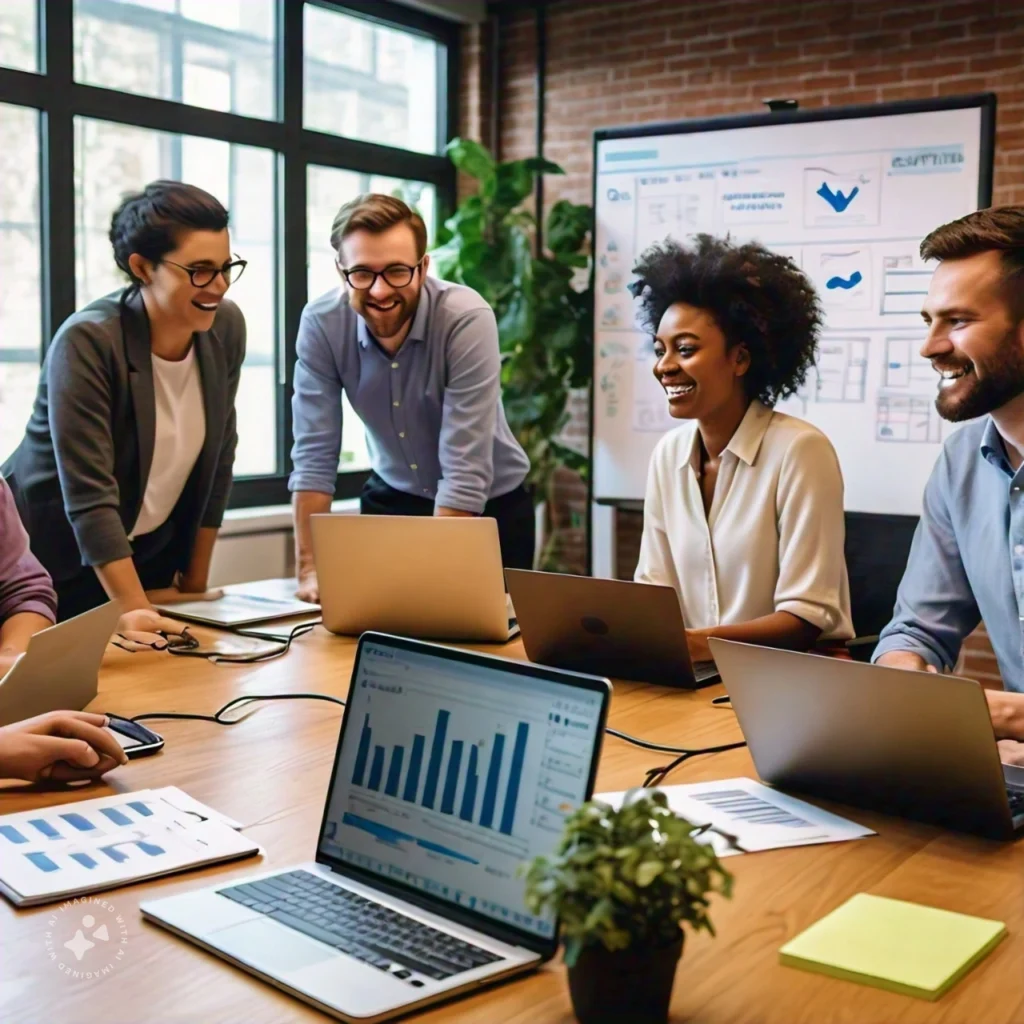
(111, 159)
(18, 47)
(369, 82)
(204, 53)
(20, 295)
(327, 188)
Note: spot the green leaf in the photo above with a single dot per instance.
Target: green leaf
(539, 165)
(471, 158)
(648, 872)
(567, 227)
(512, 183)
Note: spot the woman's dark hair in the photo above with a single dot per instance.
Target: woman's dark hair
(150, 222)
(758, 299)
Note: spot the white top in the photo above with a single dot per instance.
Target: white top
(180, 433)
(773, 540)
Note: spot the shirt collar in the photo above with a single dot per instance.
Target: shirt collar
(745, 443)
(993, 449)
(420, 321)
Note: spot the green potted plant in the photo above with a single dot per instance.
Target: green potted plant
(544, 316)
(623, 882)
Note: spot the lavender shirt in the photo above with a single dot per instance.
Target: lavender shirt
(24, 584)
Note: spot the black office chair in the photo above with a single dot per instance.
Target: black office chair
(877, 547)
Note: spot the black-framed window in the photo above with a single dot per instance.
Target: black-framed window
(284, 109)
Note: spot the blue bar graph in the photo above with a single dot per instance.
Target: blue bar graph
(42, 862)
(394, 771)
(434, 764)
(10, 833)
(377, 768)
(508, 813)
(140, 808)
(116, 855)
(469, 793)
(412, 778)
(79, 822)
(116, 816)
(42, 825)
(452, 778)
(491, 788)
(84, 859)
(362, 754)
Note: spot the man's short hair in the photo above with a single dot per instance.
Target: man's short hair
(997, 229)
(376, 213)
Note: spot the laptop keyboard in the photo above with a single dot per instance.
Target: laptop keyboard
(368, 931)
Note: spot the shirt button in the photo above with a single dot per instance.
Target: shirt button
(1018, 549)
(401, 433)
(394, 366)
(413, 466)
(395, 404)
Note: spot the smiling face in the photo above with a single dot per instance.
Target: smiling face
(170, 295)
(385, 308)
(975, 341)
(700, 372)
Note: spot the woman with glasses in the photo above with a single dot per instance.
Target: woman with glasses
(419, 362)
(123, 475)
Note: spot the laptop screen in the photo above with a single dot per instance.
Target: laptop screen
(452, 773)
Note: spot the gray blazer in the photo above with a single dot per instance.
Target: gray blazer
(80, 472)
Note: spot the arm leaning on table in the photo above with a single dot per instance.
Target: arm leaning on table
(27, 599)
(935, 606)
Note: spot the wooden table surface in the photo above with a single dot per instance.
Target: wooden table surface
(271, 774)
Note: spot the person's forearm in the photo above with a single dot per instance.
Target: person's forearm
(1007, 712)
(453, 513)
(16, 631)
(197, 574)
(780, 629)
(304, 505)
(121, 582)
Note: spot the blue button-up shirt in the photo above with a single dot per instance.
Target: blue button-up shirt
(434, 421)
(967, 560)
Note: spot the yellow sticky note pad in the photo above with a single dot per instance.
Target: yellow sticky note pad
(904, 947)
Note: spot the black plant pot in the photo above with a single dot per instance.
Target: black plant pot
(632, 986)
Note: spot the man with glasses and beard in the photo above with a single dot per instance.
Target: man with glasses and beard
(967, 560)
(419, 362)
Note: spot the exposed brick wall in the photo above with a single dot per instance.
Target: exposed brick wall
(620, 63)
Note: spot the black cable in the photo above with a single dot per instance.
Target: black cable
(193, 650)
(655, 776)
(218, 719)
(646, 744)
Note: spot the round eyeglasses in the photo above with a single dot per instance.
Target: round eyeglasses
(202, 276)
(398, 275)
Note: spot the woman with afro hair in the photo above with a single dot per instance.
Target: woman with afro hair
(743, 514)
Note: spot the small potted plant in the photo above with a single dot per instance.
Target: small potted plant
(622, 883)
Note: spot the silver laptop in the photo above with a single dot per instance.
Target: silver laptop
(917, 744)
(612, 627)
(243, 604)
(452, 769)
(423, 576)
(60, 669)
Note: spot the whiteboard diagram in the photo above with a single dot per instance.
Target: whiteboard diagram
(905, 281)
(907, 419)
(845, 192)
(842, 275)
(905, 367)
(841, 372)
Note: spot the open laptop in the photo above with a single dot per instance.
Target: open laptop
(917, 744)
(612, 627)
(452, 769)
(243, 604)
(423, 576)
(60, 668)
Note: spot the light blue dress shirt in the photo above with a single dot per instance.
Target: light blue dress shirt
(967, 560)
(434, 421)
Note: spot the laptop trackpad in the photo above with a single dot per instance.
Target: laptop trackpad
(270, 946)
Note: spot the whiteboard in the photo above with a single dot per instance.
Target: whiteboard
(848, 194)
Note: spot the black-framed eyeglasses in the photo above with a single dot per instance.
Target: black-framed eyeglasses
(398, 275)
(202, 276)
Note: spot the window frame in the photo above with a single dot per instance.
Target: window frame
(53, 92)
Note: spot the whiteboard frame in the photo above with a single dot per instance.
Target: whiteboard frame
(985, 102)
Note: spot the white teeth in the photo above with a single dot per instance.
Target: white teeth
(949, 377)
(208, 306)
(678, 390)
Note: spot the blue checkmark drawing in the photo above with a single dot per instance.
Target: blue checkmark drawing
(845, 282)
(836, 199)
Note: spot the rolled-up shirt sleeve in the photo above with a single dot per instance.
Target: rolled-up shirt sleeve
(25, 585)
(812, 533)
(469, 414)
(316, 412)
(935, 605)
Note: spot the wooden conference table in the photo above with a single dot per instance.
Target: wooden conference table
(271, 774)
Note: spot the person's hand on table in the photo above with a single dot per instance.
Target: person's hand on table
(1011, 752)
(172, 595)
(1007, 713)
(60, 746)
(140, 630)
(697, 643)
(308, 588)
